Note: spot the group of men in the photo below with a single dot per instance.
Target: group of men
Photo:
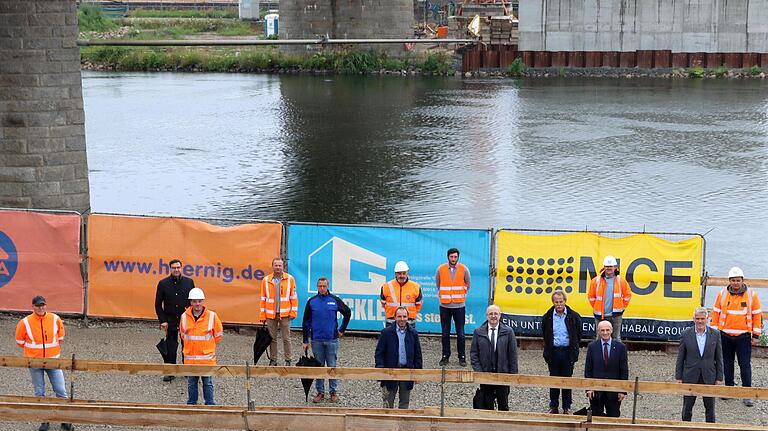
(706, 354)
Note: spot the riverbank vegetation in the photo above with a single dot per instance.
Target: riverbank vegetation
(260, 59)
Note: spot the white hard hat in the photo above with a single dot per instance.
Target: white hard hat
(196, 293)
(401, 266)
(610, 261)
(735, 272)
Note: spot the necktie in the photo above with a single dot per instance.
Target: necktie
(605, 354)
(493, 339)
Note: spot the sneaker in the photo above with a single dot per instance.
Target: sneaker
(287, 362)
(44, 426)
(319, 397)
(553, 411)
(462, 362)
(747, 402)
(334, 397)
(566, 411)
(444, 361)
(272, 363)
(67, 427)
(168, 378)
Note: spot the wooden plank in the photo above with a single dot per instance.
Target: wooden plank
(723, 281)
(428, 375)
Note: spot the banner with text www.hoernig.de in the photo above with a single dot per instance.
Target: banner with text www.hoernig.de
(127, 256)
(359, 259)
(664, 277)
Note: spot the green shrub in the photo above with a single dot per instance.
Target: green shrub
(755, 70)
(237, 28)
(110, 55)
(721, 71)
(359, 62)
(517, 68)
(220, 63)
(437, 64)
(695, 72)
(154, 13)
(90, 18)
(255, 60)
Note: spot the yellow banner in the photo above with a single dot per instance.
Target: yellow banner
(664, 275)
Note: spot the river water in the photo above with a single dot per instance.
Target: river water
(604, 154)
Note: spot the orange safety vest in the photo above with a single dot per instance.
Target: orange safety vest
(289, 302)
(735, 316)
(452, 289)
(596, 295)
(200, 336)
(407, 295)
(40, 336)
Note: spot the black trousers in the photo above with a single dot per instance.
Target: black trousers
(172, 339)
(498, 393)
(458, 315)
(709, 406)
(560, 365)
(606, 404)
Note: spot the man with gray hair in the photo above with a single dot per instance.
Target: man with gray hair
(699, 361)
(494, 350)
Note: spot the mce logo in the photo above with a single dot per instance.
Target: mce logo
(9, 259)
(543, 274)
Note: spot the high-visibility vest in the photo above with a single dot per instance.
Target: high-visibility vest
(737, 314)
(596, 295)
(200, 336)
(40, 336)
(289, 302)
(407, 295)
(452, 288)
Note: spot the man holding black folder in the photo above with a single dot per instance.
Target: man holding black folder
(170, 303)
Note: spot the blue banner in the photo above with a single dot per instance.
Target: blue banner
(359, 259)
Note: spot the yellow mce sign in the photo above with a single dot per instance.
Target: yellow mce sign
(664, 275)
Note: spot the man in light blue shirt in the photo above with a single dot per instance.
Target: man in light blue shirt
(561, 327)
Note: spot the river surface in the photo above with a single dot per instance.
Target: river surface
(604, 154)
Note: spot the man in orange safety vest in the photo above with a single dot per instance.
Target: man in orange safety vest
(201, 330)
(401, 292)
(609, 296)
(452, 281)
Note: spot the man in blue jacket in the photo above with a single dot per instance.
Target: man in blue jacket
(321, 325)
(398, 347)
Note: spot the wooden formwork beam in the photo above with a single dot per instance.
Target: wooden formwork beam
(428, 375)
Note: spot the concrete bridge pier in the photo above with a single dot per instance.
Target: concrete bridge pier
(42, 134)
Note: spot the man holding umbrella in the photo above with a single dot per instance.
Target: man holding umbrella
(321, 325)
(170, 303)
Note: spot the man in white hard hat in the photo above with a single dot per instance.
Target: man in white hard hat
(201, 330)
(609, 295)
(401, 292)
(737, 315)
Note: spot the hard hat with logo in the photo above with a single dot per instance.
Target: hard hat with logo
(196, 293)
(735, 272)
(401, 266)
(610, 261)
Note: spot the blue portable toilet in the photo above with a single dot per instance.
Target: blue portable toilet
(271, 22)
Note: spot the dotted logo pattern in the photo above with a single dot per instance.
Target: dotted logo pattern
(540, 275)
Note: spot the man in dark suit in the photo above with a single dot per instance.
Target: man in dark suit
(494, 350)
(561, 327)
(606, 359)
(699, 361)
(170, 303)
(398, 347)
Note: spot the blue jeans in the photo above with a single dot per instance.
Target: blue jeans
(55, 376)
(207, 390)
(325, 352)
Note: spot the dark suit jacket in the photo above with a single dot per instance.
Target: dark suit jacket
(618, 364)
(387, 351)
(506, 350)
(691, 365)
(572, 324)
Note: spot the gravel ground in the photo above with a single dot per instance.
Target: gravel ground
(134, 342)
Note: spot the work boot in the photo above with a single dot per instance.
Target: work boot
(44, 426)
(444, 361)
(319, 397)
(67, 426)
(168, 378)
(747, 402)
(334, 397)
(566, 411)
(553, 411)
(272, 363)
(463, 362)
(287, 362)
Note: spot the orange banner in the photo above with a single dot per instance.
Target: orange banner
(40, 255)
(127, 256)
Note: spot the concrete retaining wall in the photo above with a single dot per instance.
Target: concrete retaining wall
(42, 133)
(692, 26)
(346, 19)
